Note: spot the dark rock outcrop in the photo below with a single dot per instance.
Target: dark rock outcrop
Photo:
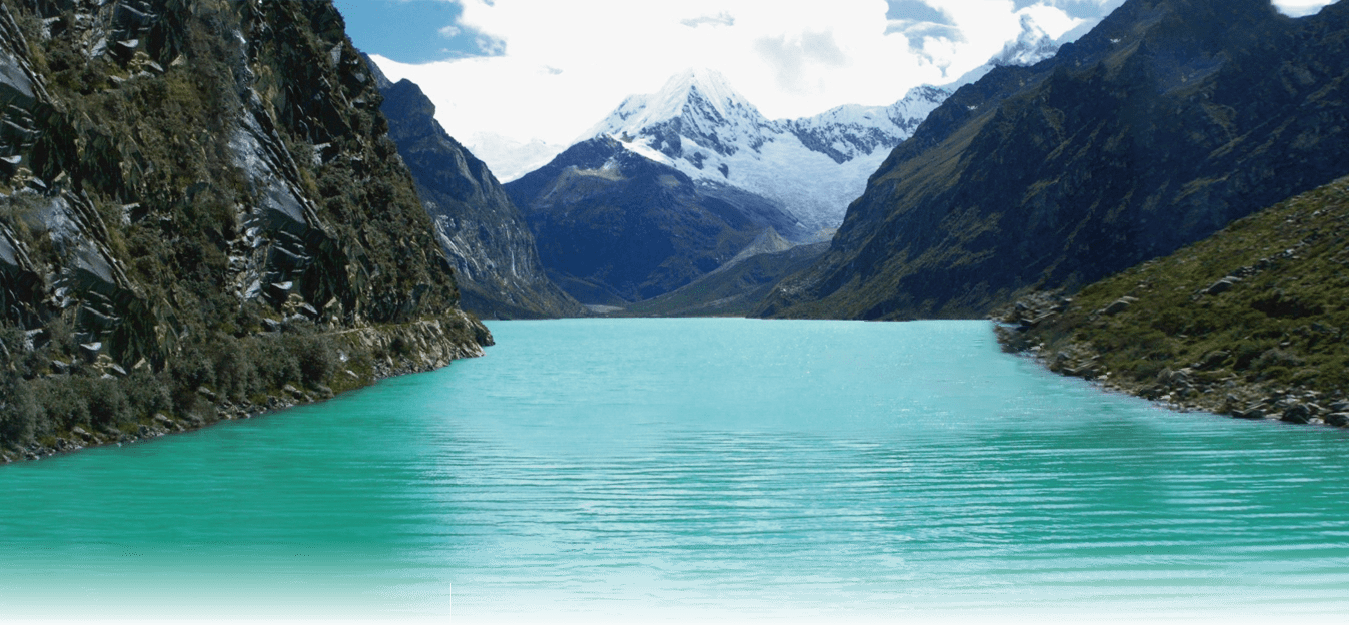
(500, 275)
(199, 205)
(1167, 121)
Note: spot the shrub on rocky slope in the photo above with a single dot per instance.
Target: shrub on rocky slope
(1250, 322)
(201, 216)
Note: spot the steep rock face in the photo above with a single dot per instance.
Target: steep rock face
(811, 168)
(500, 275)
(200, 205)
(1167, 121)
(614, 226)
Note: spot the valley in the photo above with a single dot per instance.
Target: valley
(623, 375)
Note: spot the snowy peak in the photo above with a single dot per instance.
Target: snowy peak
(696, 90)
(691, 95)
(846, 132)
(1030, 47)
(695, 104)
(812, 167)
(915, 106)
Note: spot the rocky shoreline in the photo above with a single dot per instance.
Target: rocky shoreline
(1189, 387)
(422, 346)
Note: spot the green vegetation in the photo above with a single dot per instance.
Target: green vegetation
(134, 223)
(1256, 310)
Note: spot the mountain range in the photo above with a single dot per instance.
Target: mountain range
(1164, 123)
(671, 185)
(811, 167)
(793, 178)
(615, 227)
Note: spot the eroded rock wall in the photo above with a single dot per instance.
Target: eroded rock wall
(199, 203)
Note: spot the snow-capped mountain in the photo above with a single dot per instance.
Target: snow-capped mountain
(811, 167)
(1030, 47)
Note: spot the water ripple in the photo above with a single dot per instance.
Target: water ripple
(713, 469)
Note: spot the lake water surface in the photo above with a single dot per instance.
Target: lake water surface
(632, 470)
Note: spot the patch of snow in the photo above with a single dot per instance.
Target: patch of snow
(813, 166)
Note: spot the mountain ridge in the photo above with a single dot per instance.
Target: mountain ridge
(614, 226)
(811, 167)
(1158, 127)
(499, 271)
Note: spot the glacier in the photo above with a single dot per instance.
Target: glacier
(812, 167)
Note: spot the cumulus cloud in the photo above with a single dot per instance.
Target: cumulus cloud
(559, 67)
(789, 58)
(720, 19)
(1300, 8)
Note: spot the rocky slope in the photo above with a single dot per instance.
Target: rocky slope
(202, 217)
(615, 227)
(1249, 322)
(1163, 124)
(811, 168)
(499, 272)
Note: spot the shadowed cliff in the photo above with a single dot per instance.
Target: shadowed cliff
(499, 272)
(1166, 122)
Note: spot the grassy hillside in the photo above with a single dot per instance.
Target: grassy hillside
(1249, 322)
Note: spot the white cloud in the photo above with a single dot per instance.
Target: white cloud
(720, 19)
(562, 66)
(1299, 8)
(790, 58)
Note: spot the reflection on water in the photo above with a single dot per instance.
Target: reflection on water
(683, 468)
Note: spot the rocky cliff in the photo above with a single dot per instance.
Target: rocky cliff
(500, 275)
(1167, 121)
(202, 216)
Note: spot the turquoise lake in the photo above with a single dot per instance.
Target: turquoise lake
(634, 470)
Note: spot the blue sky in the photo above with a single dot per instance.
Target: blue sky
(416, 31)
(421, 31)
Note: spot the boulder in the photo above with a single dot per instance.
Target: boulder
(1296, 413)
(1118, 306)
(1221, 286)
